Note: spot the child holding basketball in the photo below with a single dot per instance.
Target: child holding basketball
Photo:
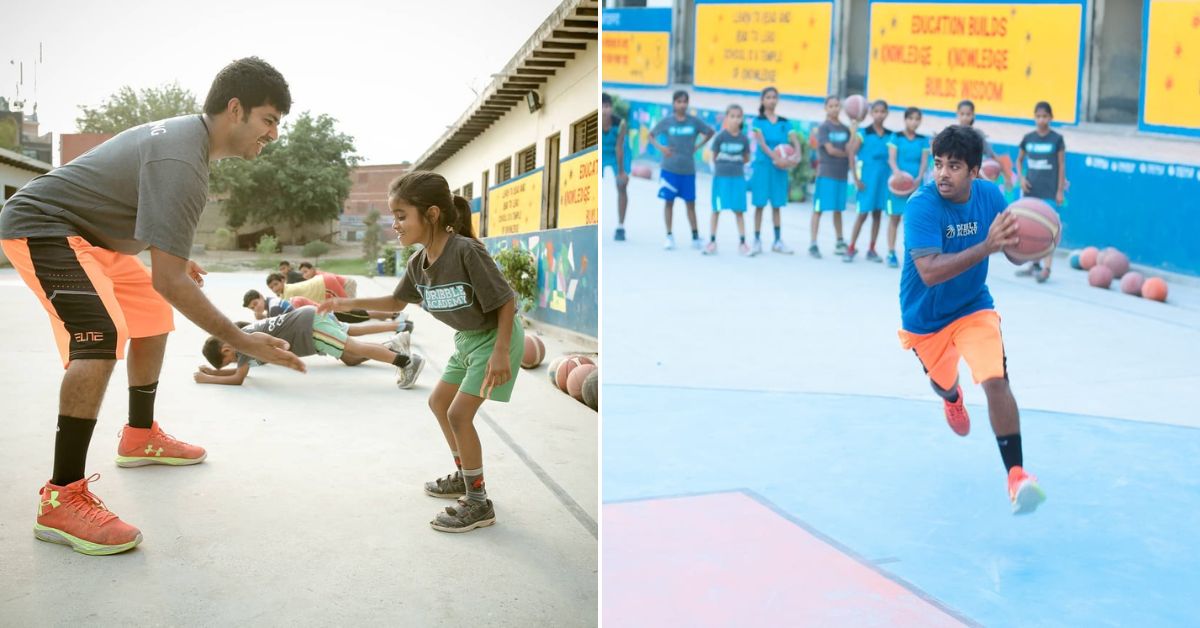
(871, 151)
(908, 152)
(834, 164)
(679, 162)
(1043, 153)
(731, 152)
(612, 154)
(455, 279)
(952, 227)
(769, 180)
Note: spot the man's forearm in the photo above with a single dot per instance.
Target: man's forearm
(943, 267)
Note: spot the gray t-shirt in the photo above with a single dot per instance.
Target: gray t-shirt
(837, 134)
(463, 288)
(1041, 163)
(681, 139)
(296, 327)
(729, 154)
(145, 187)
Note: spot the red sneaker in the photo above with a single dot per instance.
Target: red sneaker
(72, 515)
(1024, 492)
(141, 446)
(956, 414)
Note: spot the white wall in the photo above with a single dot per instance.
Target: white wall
(567, 96)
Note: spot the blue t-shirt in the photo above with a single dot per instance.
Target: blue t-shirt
(608, 144)
(774, 134)
(934, 225)
(908, 152)
(873, 152)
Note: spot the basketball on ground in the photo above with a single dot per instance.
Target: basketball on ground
(1038, 230)
(1131, 283)
(902, 184)
(535, 351)
(591, 390)
(1155, 288)
(856, 107)
(1117, 261)
(568, 365)
(1087, 257)
(1100, 276)
(1073, 260)
(553, 371)
(576, 379)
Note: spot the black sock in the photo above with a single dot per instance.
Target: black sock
(949, 395)
(1010, 450)
(695, 234)
(742, 239)
(141, 405)
(70, 449)
(400, 360)
(757, 235)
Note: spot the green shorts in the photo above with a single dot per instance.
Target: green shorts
(473, 349)
(329, 335)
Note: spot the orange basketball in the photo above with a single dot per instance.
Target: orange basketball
(553, 370)
(1155, 288)
(535, 351)
(1131, 283)
(575, 381)
(642, 171)
(785, 151)
(1117, 261)
(1087, 257)
(1038, 230)
(902, 184)
(1100, 276)
(568, 365)
(856, 107)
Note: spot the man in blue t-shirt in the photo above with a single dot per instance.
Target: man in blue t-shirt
(951, 227)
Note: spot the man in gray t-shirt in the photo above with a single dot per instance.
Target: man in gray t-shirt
(73, 235)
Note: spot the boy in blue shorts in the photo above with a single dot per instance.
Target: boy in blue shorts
(953, 226)
(907, 152)
(1043, 154)
(832, 138)
(731, 151)
(679, 164)
(612, 156)
(871, 148)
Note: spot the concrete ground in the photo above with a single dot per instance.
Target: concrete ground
(309, 510)
(767, 402)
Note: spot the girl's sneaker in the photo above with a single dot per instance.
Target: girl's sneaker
(780, 247)
(71, 515)
(872, 256)
(814, 252)
(743, 249)
(465, 516)
(757, 248)
(893, 261)
(710, 248)
(452, 486)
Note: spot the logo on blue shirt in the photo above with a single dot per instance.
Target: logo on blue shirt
(962, 230)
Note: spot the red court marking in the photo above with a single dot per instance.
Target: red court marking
(728, 560)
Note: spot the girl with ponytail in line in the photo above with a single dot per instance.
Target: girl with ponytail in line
(455, 279)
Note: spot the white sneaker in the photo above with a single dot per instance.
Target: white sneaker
(400, 343)
(669, 245)
(697, 244)
(406, 375)
(780, 247)
(757, 248)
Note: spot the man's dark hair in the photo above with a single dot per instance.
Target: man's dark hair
(682, 93)
(212, 351)
(1043, 106)
(250, 296)
(959, 142)
(306, 265)
(968, 103)
(285, 263)
(275, 277)
(253, 82)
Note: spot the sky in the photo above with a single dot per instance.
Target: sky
(393, 73)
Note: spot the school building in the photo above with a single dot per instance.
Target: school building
(526, 154)
(1123, 77)
(15, 171)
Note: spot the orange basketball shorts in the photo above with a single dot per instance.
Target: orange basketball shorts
(975, 337)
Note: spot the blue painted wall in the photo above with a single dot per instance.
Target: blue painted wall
(568, 281)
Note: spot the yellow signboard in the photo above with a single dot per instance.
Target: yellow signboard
(516, 206)
(1171, 88)
(747, 47)
(579, 190)
(475, 222)
(636, 58)
(1004, 57)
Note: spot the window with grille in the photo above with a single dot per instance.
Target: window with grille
(527, 160)
(468, 191)
(584, 133)
(503, 171)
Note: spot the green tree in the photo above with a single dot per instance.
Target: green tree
(302, 178)
(127, 108)
(315, 249)
(371, 240)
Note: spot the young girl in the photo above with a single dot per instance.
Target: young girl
(1045, 172)
(612, 153)
(731, 151)
(455, 279)
(679, 162)
(871, 146)
(832, 137)
(908, 152)
(769, 182)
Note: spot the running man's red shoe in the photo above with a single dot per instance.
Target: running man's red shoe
(1024, 492)
(71, 515)
(141, 446)
(956, 414)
